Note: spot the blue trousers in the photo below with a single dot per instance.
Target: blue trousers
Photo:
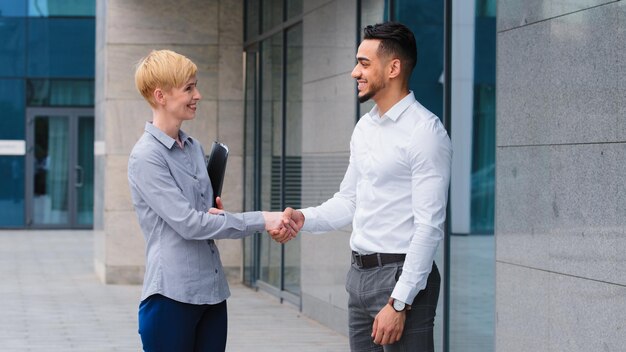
(166, 325)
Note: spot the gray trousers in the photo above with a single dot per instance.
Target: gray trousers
(369, 291)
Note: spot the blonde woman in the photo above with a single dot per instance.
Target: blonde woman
(183, 302)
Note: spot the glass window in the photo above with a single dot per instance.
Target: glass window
(425, 19)
(85, 171)
(294, 8)
(12, 47)
(45, 92)
(12, 8)
(250, 178)
(271, 150)
(12, 107)
(51, 54)
(12, 191)
(252, 18)
(61, 8)
(272, 14)
(293, 150)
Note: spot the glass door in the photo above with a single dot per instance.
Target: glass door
(59, 168)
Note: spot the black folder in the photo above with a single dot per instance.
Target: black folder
(216, 167)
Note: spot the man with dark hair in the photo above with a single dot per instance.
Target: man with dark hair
(394, 192)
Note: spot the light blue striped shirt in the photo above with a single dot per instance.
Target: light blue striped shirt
(172, 193)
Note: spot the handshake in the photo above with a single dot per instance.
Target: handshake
(283, 226)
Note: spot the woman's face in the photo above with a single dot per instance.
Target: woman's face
(181, 102)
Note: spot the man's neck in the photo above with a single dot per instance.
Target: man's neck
(389, 99)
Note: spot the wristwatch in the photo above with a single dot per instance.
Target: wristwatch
(398, 305)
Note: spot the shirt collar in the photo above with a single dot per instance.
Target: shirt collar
(166, 140)
(394, 113)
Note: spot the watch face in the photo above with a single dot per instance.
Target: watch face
(398, 305)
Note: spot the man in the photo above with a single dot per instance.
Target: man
(394, 193)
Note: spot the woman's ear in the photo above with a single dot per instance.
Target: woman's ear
(159, 97)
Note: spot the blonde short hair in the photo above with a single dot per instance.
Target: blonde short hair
(163, 69)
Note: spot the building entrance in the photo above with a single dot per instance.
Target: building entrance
(59, 167)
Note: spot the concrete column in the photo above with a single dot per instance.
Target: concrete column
(210, 34)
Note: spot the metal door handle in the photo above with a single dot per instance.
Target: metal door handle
(79, 176)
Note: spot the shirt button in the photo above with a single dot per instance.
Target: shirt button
(202, 195)
(194, 177)
(216, 271)
(212, 251)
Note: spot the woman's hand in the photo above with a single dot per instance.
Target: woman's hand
(219, 205)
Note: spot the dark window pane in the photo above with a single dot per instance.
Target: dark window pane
(57, 8)
(272, 13)
(252, 19)
(85, 170)
(43, 92)
(425, 19)
(53, 54)
(12, 8)
(12, 191)
(294, 8)
(12, 47)
(12, 109)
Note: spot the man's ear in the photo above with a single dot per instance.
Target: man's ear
(159, 97)
(395, 68)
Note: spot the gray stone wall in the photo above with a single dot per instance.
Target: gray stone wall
(561, 161)
(210, 33)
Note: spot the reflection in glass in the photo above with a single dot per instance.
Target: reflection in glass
(12, 108)
(293, 150)
(84, 172)
(252, 18)
(271, 147)
(51, 54)
(425, 19)
(11, 191)
(272, 14)
(61, 8)
(57, 92)
(12, 8)
(294, 8)
(12, 47)
(249, 254)
(50, 203)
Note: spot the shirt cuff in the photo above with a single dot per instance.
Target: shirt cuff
(309, 220)
(403, 293)
(254, 222)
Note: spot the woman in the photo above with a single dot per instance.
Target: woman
(183, 302)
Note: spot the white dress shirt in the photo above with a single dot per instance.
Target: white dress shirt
(394, 191)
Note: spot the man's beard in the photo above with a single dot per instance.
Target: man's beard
(366, 97)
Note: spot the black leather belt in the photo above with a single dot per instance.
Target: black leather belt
(376, 259)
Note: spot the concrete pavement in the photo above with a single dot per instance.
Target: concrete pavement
(51, 300)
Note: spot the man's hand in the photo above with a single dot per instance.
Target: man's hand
(388, 326)
(291, 223)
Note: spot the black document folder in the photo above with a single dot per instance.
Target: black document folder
(216, 168)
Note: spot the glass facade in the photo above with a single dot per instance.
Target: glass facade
(47, 60)
(273, 76)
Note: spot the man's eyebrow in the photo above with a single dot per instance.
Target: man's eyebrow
(362, 58)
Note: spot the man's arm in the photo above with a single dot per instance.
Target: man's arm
(430, 168)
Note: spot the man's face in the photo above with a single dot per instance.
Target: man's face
(369, 70)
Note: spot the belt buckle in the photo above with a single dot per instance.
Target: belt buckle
(358, 260)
